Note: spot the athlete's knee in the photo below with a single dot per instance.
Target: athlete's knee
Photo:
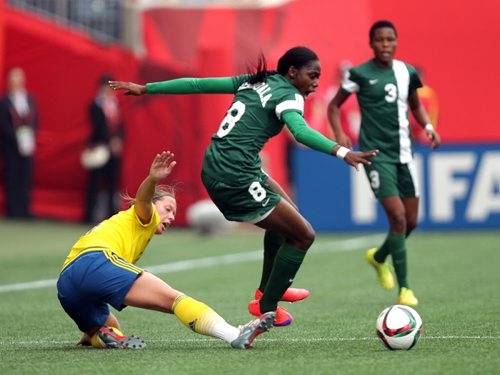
(397, 220)
(307, 238)
(152, 293)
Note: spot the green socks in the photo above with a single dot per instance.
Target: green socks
(396, 245)
(383, 251)
(286, 265)
(272, 243)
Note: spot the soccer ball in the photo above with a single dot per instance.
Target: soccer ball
(399, 327)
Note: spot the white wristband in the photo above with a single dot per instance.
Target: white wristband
(429, 127)
(342, 152)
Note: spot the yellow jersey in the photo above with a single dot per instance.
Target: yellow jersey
(122, 234)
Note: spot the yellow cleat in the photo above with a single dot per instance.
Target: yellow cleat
(385, 277)
(406, 297)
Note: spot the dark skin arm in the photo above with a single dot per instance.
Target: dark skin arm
(333, 113)
(130, 88)
(352, 158)
(422, 118)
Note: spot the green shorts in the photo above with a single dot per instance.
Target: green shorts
(251, 202)
(388, 179)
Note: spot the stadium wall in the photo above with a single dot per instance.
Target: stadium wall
(451, 40)
(459, 188)
(62, 68)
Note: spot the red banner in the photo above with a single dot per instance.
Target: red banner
(63, 66)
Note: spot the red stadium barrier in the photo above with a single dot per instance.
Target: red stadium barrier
(63, 66)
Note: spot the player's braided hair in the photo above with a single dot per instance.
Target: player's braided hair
(261, 72)
(297, 57)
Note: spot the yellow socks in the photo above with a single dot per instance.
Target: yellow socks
(202, 319)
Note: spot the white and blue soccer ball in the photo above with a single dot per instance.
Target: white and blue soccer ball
(399, 327)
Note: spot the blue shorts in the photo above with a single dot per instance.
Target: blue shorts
(91, 282)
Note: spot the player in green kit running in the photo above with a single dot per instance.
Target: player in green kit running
(384, 88)
(264, 102)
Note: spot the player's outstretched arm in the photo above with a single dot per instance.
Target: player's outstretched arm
(130, 88)
(214, 85)
(162, 166)
(354, 158)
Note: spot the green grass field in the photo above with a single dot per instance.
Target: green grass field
(456, 276)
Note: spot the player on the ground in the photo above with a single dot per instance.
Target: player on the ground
(263, 103)
(384, 87)
(99, 271)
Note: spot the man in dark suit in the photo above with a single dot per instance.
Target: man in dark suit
(18, 124)
(107, 131)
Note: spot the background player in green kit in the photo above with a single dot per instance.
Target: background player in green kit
(384, 88)
(263, 103)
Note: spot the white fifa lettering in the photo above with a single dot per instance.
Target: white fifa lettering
(447, 188)
(485, 196)
(363, 202)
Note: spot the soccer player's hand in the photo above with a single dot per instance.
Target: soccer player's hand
(433, 137)
(353, 158)
(162, 165)
(85, 340)
(129, 87)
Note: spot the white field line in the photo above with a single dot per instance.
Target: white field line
(288, 339)
(249, 256)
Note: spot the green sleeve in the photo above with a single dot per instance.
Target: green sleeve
(415, 81)
(305, 135)
(222, 85)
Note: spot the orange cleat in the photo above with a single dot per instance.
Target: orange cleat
(290, 295)
(283, 317)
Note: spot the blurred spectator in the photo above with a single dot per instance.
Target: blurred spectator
(18, 124)
(104, 152)
(429, 99)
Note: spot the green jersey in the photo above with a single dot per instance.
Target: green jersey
(258, 112)
(254, 117)
(383, 100)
